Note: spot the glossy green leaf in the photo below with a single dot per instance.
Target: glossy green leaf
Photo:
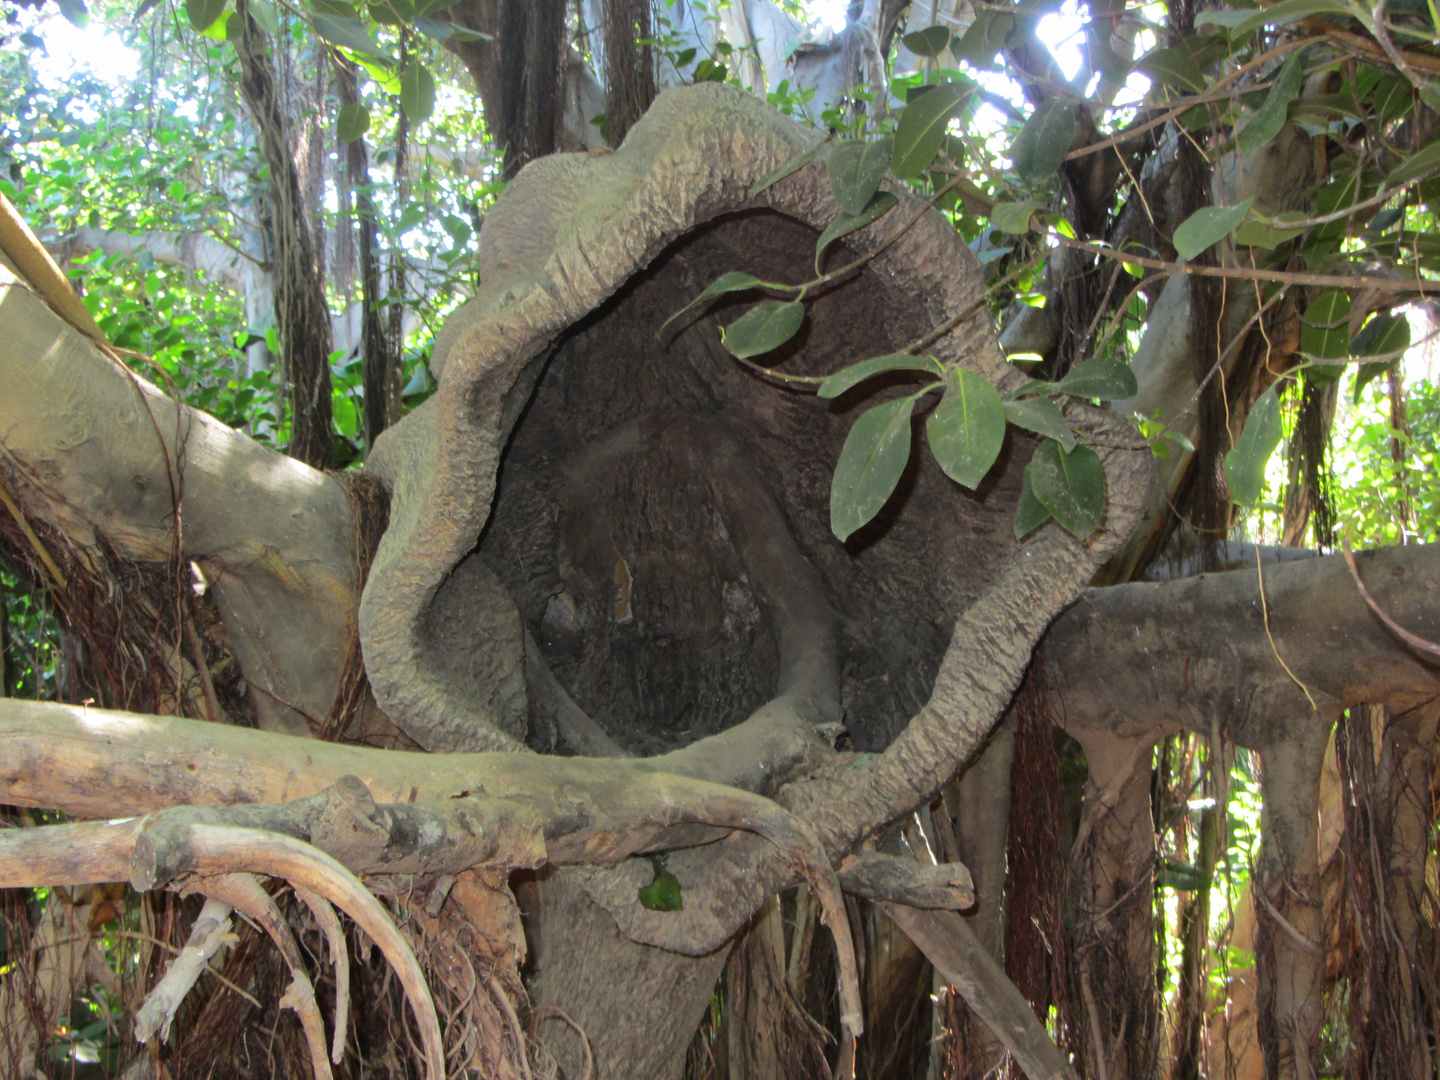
(856, 169)
(852, 376)
(265, 16)
(796, 163)
(1286, 12)
(1208, 226)
(766, 326)
(1330, 308)
(1325, 330)
(1030, 512)
(1267, 120)
(985, 36)
(733, 281)
(879, 203)
(1044, 141)
(1173, 67)
(1367, 374)
(1245, 464)
(203, 13)
(662, 894)
(434, 28)
(921, 130)
(967, 429)
(1102, 377)
(353, 122)
(417, 92)
(348, 33)
(1263, 234)
(1071, 485)
(1423, 162)
(928, 42)
(870, 465)
(1042, 416)
(1383, 336)
(1013, 217)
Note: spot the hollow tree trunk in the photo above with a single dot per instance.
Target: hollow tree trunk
(301, 315)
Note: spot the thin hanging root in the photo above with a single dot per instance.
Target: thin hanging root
(244, 894)
(211, 930)
(545, 1012)
(329, 924)
(218, 849)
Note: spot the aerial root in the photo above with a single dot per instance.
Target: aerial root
(546, 1012)
(223, 858)
(329, 924)
(210, 931)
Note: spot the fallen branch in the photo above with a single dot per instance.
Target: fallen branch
(210, 931)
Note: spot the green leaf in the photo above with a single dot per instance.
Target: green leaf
(1042, 416)
(1208, 226)
(1013, 217)
(985, 37)
(774, 176)
(1044, 140)
(766, 326)
(1384, 335)
(662, 894)
(1030, 512)
(852, 376)
(1245, 464)
(1330, 308)
(434, 28)
(1173, 67)
(921, 130)
(1267, 121)
(1286, 12)
(1423, 162)
(75, 13)
(879, 203)
(203, 13)
(871, 461)
(1368, 373)
(348, 33)
(856, 169)
(1102, 377)
(142, 9)
(417, 93)
(1070, 485)
(967, 430)
(1269, 234)
(733, 281)
(928, 42)
(353, 122)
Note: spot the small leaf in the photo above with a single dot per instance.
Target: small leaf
(417, 93)
(202, 13)
(879, 203)
(662, 894)
(1173, 67)
(733, 281)
(1044, 140)
(766, 326)
(852, 376)
(1042, 416)
(1102, 377)
(353, 122)
(921, 131)
(1423, 162)
(1208, 226)
(1245, 464)
(774, 176)
(856, 169)
(1267, 121)
(1013, 217)
(348, 33)
(871, 461)
(967, 430)
(985, 37)
(1030, 512)
(1070, 485)
(928, 42)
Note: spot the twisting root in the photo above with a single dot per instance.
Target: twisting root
(218, 849)
(329, 924)
(545, 1012)
(243, 893)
